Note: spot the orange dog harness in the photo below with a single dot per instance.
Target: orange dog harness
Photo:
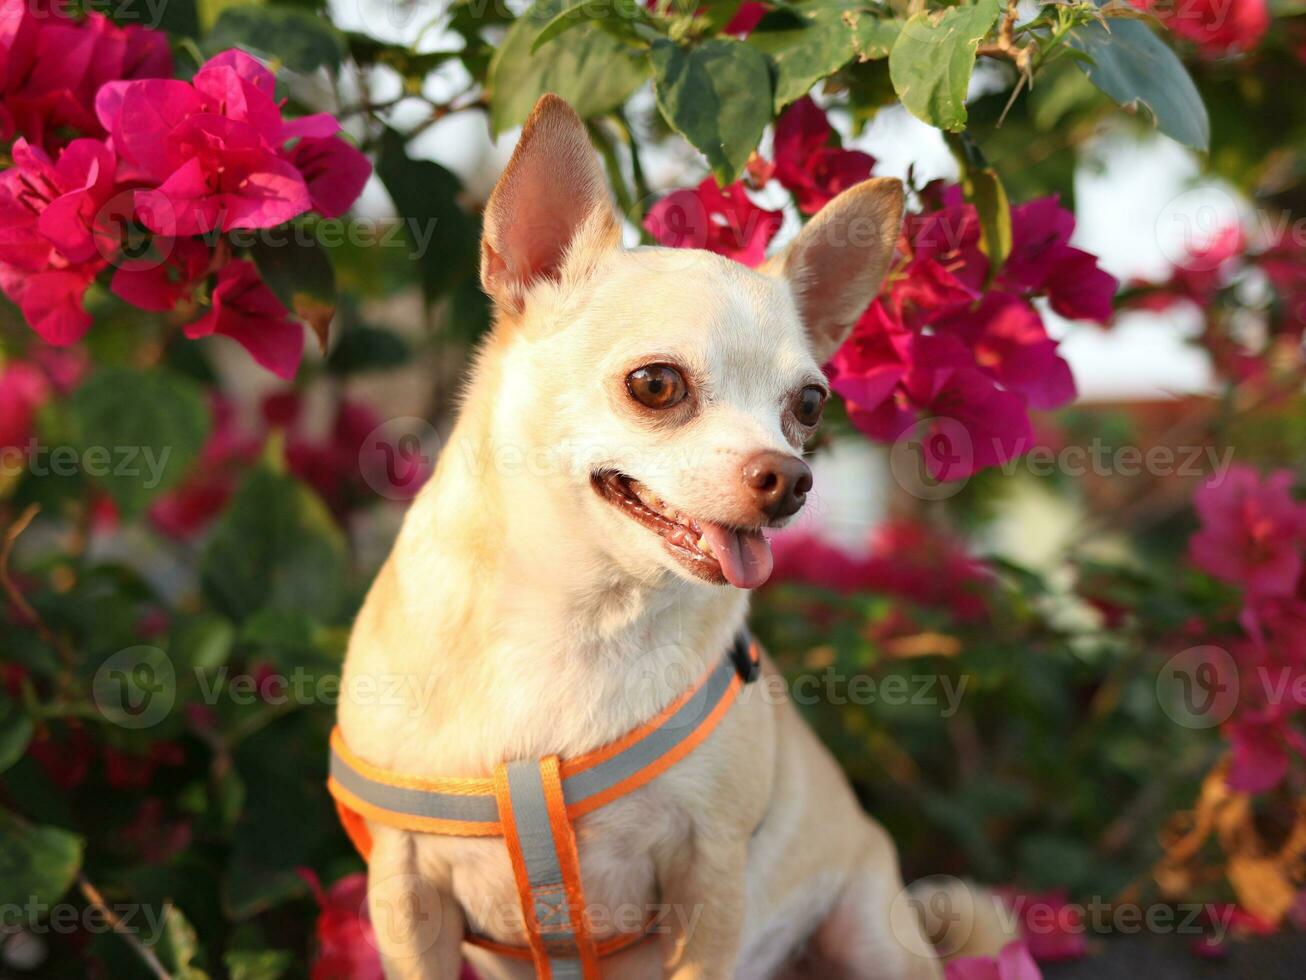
(533, 806)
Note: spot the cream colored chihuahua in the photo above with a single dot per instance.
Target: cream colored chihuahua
(633, 427)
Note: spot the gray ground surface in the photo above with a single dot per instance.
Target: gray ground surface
(1281, 957)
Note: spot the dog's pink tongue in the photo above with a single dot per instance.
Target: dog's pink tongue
(745, 556)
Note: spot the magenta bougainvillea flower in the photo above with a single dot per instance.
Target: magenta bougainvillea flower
(1014, 962)
(48, 252)
(1053, 929)
(53, 63)
(248, 312)
(724, 221)
(903, 558)
(1217, 27)
(808, 161)
(23, 389)
(153, 163)
(947, 343)
(1252, 531)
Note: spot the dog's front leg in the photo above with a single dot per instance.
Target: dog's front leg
(704, 914)
(418, 925)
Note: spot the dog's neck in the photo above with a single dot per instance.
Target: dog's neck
(500, 580)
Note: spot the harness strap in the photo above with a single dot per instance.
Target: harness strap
(533, 805)
(542, 846)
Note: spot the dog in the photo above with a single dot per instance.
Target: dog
(633, 426)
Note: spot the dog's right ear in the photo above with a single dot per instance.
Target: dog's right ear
(550, 212)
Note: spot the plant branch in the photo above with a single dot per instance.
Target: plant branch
(28, 615)
(96, 900)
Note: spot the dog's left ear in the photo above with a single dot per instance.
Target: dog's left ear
(837, 262)
(549, 210)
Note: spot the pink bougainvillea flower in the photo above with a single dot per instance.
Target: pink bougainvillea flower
(808, 163)
(346, 941)
(55, 63)
(724, 221)
(1012, 963)
(51, 301)
(248, 312)
(48, 208)
(1252, 531)
(867, 369)
(1217, 27)
(1042, 261)
(1259, 760)
(1011, 344)
(748, 15)
(334, 171)
(903, 558)
(229, 179)
(164, 275)
(23, 389)
(967, 422)
(1052, 928)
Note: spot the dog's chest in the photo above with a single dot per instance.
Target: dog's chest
(619, 847)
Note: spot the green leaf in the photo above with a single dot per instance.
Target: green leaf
(137, 432)
(15, 731)
(983, 189)
(37, 866)
(932, 60)
(717, 95)
(873, 35)
(276, 547)
(1137, 69)
(593, 71)
(203, 642)
(618, 20)
(298, 270)
(442, 236)
(806, 45)
(179, 948)
(299, 39)
(260, 964)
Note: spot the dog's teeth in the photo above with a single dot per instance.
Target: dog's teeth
(703, 545)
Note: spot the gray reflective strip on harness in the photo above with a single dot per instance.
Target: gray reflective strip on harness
(483, 808)
(657, 743)
(480, 808)
(530, 813)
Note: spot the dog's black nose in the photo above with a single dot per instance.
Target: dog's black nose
(777, 482)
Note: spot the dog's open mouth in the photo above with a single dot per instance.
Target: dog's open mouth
(714, 552)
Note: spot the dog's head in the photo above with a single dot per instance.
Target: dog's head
(674, 388)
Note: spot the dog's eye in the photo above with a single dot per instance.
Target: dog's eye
(808, 405)
(657, 386)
